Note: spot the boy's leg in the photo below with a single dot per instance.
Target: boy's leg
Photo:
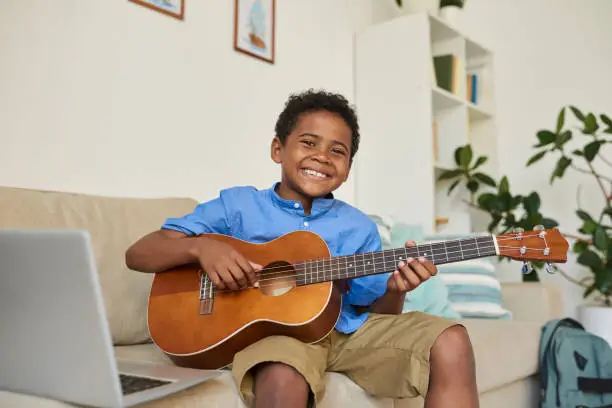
(406, 355)
(281, 371)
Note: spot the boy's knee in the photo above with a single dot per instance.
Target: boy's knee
(280, 376)
(452, 344)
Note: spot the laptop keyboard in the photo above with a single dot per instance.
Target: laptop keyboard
(131, 383)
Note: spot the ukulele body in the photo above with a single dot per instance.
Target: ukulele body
(234, 320)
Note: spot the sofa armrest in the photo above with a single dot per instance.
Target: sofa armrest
(532, 301)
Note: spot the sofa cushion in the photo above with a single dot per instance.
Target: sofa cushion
(505, 350)
(114, 224)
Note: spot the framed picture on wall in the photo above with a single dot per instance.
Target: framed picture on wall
(254, 28)
(174, 8)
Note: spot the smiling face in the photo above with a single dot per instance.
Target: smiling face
(315, 158)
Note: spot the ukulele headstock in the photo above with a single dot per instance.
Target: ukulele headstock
(539, 245)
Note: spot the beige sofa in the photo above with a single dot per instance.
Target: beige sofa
(506, 351)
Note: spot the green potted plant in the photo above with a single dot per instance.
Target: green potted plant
(452, 11)
(593, 243)
(418, 6)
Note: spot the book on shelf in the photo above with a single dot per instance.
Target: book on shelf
(447, 69)
(472, 87)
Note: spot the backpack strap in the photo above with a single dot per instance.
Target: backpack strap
(548, 333)
(598, 385)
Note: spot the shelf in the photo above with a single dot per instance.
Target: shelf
(441, 30)
(474, 50)
(476, 112)
(442, 99)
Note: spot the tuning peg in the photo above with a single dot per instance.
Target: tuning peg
(518, 232)
(527, 268)
(551, 268)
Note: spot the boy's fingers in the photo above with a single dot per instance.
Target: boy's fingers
(228, 278)
(409, 275)
(421, 270)
(399, 281)
(216, 280)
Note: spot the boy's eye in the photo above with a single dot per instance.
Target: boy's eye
(339, 151)
(308, 142)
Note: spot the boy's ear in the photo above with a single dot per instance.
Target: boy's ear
(276, 149)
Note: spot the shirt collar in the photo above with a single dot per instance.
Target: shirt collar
(319, 205)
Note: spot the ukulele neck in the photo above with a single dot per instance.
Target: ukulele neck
(385, 261)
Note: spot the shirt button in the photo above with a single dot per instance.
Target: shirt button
(305, 223)
(296, 205)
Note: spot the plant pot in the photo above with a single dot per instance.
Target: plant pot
(597, 320)
(419, 6)
(453, 15)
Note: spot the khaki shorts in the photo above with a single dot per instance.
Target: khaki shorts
(388, 356)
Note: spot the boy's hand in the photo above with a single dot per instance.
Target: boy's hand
(226, 267)
(410, 274)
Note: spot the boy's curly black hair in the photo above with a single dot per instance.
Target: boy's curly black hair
(310, 101)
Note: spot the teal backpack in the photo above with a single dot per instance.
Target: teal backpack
(575, 367)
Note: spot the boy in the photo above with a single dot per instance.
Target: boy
(388, 353)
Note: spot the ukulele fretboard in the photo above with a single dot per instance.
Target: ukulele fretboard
(373, 263)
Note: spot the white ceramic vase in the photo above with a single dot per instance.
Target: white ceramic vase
(597, 320)
(418, 6)
(453, 15)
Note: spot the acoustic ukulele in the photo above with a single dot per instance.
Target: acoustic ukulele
(197, 325)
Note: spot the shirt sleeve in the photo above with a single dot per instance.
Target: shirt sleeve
(365, 290)
(208, 217)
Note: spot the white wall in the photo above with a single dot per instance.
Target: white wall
(108, 97)
(549, 53)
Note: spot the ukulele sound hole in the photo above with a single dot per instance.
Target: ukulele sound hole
(277, 279)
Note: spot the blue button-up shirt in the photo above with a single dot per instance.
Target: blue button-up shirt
(259, 216)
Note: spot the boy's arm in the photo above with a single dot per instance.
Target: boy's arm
(389, 303)
(161, 250)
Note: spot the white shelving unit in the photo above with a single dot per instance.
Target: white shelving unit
(398, 101)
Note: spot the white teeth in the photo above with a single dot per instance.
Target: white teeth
(314, 173)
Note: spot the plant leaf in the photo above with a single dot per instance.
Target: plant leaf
(591, 150)
(562, 164)
(590, 124)
(452, 187)
(600, 238)
(588, 228)
(549, 223)
(531, 203)
(480, 161)
(560, 120)
(590, 259)
(577, 113)
(606, 119)
(536, 157)
(580, 246)
(485, 179)
(504, 186)
(472, 185)
(545, 137)
(589, 290)
(583, 215)
(563, 138)
(465, 156)
(449, 174)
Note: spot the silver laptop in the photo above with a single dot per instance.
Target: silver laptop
(54, 338)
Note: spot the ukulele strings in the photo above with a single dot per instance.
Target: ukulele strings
(306, 275)
(442, 250)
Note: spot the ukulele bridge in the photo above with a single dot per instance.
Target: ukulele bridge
(207, 294)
